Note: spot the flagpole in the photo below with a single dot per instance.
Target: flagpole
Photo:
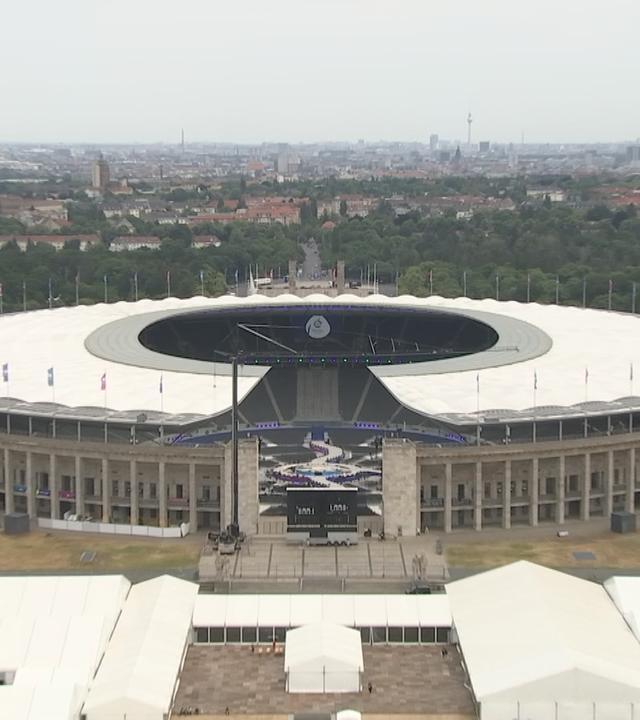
(633, 298)
(135, 285)
(477, 408)
(77, 289)
(161, 409)
(528, 287)
(610, 294)
(464, 283)
(586, 399)
(557, 289)
(535, 402)
(498, 288)
(24, 296)
(631, 395)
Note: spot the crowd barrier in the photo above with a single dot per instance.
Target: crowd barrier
(114, 528)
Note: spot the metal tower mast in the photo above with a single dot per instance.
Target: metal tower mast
(469, 121)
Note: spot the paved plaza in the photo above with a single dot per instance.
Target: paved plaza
(276, 560)
(405, 680)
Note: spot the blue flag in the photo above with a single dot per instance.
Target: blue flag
(50, 377)
(5, 372)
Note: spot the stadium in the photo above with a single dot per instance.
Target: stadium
(444, 413)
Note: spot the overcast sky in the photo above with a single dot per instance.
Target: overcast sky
(313, 70)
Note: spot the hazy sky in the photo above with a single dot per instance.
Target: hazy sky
(306, 70)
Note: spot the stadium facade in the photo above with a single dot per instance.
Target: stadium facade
(489, 414)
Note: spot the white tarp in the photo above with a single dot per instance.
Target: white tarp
(323, 658)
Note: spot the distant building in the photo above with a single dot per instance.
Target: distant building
(100, 174)
(433, 142)
(205, 241)
(134, 242)
(55, 241)
(554, 194)
(484, 146)
(633, 154)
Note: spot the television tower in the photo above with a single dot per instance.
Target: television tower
(469, 121)
(182, 140)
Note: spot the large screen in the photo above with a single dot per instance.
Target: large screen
(322, 508)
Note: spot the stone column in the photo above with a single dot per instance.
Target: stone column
(8, 482)
(292, 279)
(608, 485)
(134, 499)
(477, 498)
(106, 492)
(162, 495)
(400, 487)
(506, 496)
(193, 498)
(248, 486)
(53, 488)
(79, 486)
(448, 489)
(560, 491)
(31, 491)
(340, 277)
(586, 488)
(631, 487)
(534, 492)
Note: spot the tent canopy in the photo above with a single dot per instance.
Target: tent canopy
(323, 657)
(522, 627)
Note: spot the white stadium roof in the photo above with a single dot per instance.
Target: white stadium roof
(603, 343)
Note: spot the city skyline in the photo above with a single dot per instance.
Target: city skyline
(319, 72)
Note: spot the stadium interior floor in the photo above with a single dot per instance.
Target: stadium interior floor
(407, 681)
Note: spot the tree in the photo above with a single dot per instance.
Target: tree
(343, 208)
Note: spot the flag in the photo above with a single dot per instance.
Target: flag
(610, 285)
(50, 379)
(236, 276)
(5, 372)
(103, 381)
(160, 388)
(1, 291)
(535, 380)
(630, 372)
(478, 382)
(586, 375)
(201, 275)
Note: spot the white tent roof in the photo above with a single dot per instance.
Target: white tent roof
(323, 644)
(522, 623)
(625, 593)
(297, 610)
(60, 336)
(53, 633)
(140, 668)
